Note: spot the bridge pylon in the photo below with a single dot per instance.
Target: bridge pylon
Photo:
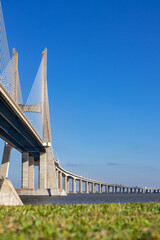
(47, 170)
(48, 177)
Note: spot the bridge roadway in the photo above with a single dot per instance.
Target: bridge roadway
(91, 186)
(16, 129)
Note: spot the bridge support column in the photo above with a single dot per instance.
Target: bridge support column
(25, 164)
(93, 187)
(42, 172)
(87, 187)
(74, 185)
(5, 161)
(57, 174)
(80, 185)
(68, 184)
(100, 188)
(60, 180)
(31, 172)
(106, 188)
(65, 184)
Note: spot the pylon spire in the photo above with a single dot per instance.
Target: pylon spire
(45, 103)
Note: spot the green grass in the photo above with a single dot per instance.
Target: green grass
(102, 221)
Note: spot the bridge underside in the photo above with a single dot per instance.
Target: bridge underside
(14, 131)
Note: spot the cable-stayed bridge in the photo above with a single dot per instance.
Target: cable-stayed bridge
(26, 127)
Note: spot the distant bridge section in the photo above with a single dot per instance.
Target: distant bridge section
(86, 185)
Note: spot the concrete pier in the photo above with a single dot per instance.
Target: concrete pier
(5, 161)
(93, 187)
(87, 187)
(100, 188)
(42, 172)
(74, 185)
(80, 185)
(25, 164)
(65, 184)
(31, 173)
(60, 180)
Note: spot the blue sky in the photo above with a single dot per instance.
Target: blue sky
(103, 80)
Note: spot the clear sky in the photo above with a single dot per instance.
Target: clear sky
(103, 79)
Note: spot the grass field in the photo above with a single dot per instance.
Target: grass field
(102, 221)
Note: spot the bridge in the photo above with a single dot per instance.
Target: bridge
(18, 132)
